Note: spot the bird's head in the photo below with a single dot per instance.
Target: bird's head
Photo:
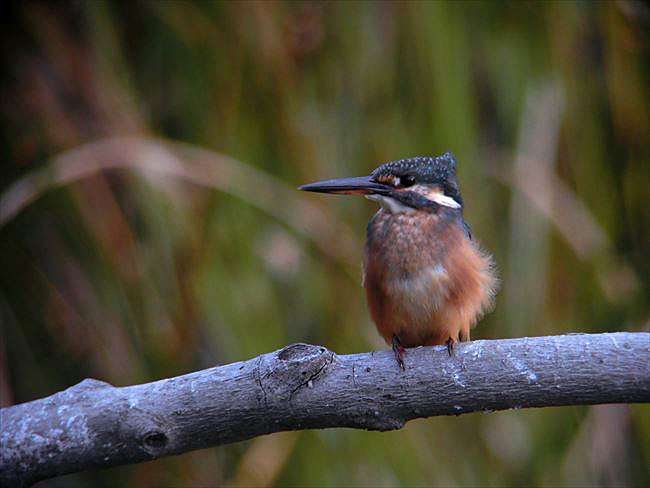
(421, 183)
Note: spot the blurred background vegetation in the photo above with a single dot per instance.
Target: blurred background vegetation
(150, 224)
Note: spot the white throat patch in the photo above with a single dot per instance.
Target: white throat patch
(390, 204)
(394, 206)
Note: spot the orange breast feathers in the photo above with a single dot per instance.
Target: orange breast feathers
(426, 281)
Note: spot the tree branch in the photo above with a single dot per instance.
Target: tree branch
(94, 424)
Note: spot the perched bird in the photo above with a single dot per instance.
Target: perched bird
(427, 281)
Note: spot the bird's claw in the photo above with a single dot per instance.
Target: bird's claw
(399, 351)
(450, 346)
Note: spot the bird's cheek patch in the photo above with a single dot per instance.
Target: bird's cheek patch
(445, 201)
(435, 195)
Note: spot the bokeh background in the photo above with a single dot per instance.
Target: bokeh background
(150, 225)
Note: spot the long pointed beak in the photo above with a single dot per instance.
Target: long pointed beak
(361, 185)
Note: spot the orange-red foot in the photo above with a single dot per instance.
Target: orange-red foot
(450, 346)
(399, 351)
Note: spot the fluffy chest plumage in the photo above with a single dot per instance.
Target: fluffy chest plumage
(425, 280)
(409, 249)
(405, 262)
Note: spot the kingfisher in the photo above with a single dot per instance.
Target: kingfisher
(427, 280)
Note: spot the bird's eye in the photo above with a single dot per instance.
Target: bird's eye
(407, 180)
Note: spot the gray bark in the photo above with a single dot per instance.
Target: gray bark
(94, 424)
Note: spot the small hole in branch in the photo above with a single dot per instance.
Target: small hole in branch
(155, 440)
